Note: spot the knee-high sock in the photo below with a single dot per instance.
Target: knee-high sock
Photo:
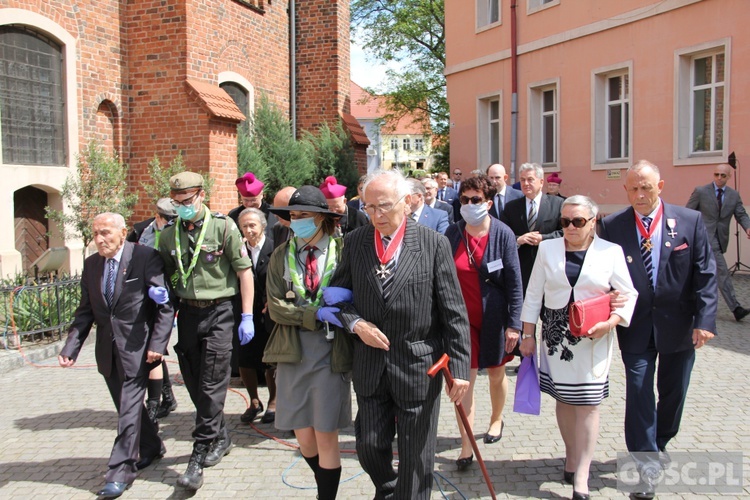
(328, 483)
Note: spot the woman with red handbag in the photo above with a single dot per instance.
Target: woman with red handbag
(484, 250)
(574, 369)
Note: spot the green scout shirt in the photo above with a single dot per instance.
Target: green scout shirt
(222, 254)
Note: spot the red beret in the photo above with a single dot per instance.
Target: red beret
(554, 178)
(248, 185)
(332, 189)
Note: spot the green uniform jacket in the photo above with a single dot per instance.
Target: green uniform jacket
(222, 254)
(284, 344)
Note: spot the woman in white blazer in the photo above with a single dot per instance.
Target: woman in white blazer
(574, 370)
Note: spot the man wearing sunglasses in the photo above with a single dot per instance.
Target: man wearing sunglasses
(718, 203)
(505, 193)
(533, 218)
(209, 265)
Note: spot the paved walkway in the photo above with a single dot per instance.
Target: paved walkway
(57, 430)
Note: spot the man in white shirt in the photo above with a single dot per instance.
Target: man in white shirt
(505, 193)
(423, 214)
(430, 198)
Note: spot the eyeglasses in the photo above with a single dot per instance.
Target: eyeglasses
(723, 176)
(383, 208)
(578, 222)
(475, 200)
(186, 202)
(456, 173)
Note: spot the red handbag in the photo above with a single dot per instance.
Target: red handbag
(584, 314)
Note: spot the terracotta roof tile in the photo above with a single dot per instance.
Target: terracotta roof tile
(355, 129)
(368, 106)
(214, 100)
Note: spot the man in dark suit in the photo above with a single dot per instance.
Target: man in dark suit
(358, 203)
(422, 213)
(445, 193)
(505, 193)
(457, 174)
(131, 336)
(672, 266)
(407, 311)
(430, 198)
(533, 218)
(717, 202)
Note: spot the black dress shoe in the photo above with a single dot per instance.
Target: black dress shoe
(113, 489)
(489, 438)
(740, 312)
(251, 413)
(580, 496)
(642, 495)
(268, 417)
(146, 461)
(465, 463)
(568, 477)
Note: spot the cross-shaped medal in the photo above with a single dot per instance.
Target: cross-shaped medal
(383, 273)
(647, 245)
(672, 233)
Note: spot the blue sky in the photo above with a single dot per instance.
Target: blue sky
(364, 73)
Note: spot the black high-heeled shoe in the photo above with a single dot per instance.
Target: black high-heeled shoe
(580, 496)
(465, 463)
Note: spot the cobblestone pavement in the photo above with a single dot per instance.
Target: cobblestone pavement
(57, 430)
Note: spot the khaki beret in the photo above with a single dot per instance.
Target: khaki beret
(185, 180)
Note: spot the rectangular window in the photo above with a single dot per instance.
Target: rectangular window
(407, 144)
(544, 124)
(394, 144)
(537, 5)
(488, 13)
(419, 144)
(701, 100)
(611, 115)
(489, 130)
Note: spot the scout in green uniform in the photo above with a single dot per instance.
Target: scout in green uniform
(204, 254)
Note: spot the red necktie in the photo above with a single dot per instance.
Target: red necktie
(311, 270)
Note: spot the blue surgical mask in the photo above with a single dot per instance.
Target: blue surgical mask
(186, 212)
(474, 214)
(304, 228)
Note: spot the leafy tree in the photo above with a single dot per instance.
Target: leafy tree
(267, 148)
(98, 185)
(441, 153)
(333, 154)
(158, 185)
(412, 33)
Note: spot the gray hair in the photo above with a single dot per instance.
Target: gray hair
(580, 200)
(537, 168)
(641, 164)
(398, 182)
(417, 187)
(429, 182)
(477, 172)
(256, 212)
(117, 219)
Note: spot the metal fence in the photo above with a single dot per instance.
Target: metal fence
(38, 311)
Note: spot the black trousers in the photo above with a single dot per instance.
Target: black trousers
(136, 434)
(204, 350)
(378, 418)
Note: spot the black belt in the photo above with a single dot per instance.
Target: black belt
(205, 303)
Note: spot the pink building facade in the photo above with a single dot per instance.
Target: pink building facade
(600, 85)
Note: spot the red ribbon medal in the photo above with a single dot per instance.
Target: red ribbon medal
(646, 235)
(384, 255)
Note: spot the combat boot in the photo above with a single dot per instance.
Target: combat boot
(220, 447)
(192, 479)
(168, 402)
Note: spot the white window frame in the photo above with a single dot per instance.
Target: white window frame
(683, 103)
(394, 144)
(600, 116)
(535, 142)
(483, 11)
(484, 122)
(418, 144)
(534, 6)
(406, 144)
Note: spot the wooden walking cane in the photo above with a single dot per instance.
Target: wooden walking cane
(442, 364)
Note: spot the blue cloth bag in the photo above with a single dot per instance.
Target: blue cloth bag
(528, 397)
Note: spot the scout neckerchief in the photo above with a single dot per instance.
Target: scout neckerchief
(183, 276)
(646, 235)
(328, 267)
(386, 254)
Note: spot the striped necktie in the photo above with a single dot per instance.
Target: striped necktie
(532, 216)
(109, 284)
(390, 267)
(646, 253)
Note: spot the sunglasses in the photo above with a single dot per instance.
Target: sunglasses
(723, 176)
(578, 222)
(475, 200)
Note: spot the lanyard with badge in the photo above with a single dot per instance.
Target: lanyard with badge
(181, 270)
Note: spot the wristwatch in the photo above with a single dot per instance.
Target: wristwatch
(528, 336)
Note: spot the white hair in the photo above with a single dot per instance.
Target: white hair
(397, 180)
(117, 219)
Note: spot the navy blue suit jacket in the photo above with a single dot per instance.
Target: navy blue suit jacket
(434, 219)
(450, 195)
(686, 294)
(510, 195)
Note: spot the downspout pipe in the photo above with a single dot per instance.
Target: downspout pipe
(293, 66)
(514, 89)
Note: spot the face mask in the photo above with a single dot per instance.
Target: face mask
(474, 214)
(304, 228)
(186, 212)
